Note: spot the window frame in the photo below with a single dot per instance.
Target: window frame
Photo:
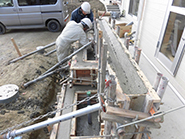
(171, 66)
(131, 7)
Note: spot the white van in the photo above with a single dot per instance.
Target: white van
(26, 14)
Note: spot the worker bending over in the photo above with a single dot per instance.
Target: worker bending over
(84, 11)
(72, 32)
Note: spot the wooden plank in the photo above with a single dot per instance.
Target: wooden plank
(102, 128)
(118, 119)
(16, 47)
(127, 113)
(137, 101)
(104, 13)
(146, 108)
(59, 106)
(73, 121)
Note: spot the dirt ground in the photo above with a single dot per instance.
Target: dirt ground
(38, 98)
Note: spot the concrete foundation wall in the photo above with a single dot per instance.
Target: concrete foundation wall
(126, 73)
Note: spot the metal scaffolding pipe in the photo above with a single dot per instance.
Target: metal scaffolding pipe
(158, 114)
(161, 89)
(68, 57)
(113, 23)
(21, 57)
(74, 114)
(44, 76)
(157, 81)
(50, 52)
(162, 86)
(137, 56)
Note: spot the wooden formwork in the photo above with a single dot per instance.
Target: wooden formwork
(80, 95)
(83, 71)
(132, 106)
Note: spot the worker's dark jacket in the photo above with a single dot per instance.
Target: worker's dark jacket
(77, 15)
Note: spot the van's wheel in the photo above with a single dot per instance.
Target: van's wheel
(53, 26)
(2, 29)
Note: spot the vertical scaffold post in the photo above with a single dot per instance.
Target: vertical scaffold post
(157, 80)
(118, 30)
(127, 40)
(113, 23)
(109, 19)
(103, 66)
(100, 44)
(111, 95)
(138, 53)
(161, 89)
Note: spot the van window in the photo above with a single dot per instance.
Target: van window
(44, 2)
(6, 3)
(35, 2)
(28, 2)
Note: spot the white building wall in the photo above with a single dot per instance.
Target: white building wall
(152, 23)
(151, 26)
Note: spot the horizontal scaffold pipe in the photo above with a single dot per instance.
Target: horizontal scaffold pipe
(78, 113)
(26, 55)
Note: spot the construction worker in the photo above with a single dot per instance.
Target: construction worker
(72, 32)
(84, 11)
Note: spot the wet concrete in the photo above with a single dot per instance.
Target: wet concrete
(65, 127)
(86, 129)
(126, 73)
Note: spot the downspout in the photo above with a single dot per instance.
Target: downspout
(137, 37)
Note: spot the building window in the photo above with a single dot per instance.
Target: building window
(133, 7)
(172, 41)
(172, 35)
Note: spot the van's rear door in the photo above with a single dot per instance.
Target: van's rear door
(29, 12)
(8, 13)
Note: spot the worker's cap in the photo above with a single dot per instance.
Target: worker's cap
(86, 22)
(86, 7)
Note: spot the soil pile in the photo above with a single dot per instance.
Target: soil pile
(38, 98)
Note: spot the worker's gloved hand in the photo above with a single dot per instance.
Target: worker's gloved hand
(91, 39)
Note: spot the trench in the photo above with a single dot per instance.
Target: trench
(34, 107)
(48, 106)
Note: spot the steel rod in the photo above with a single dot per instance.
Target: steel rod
(21, 57)
(68, 57)
(44, 76)
(50, 52)
(74, 114)
(151, 117)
